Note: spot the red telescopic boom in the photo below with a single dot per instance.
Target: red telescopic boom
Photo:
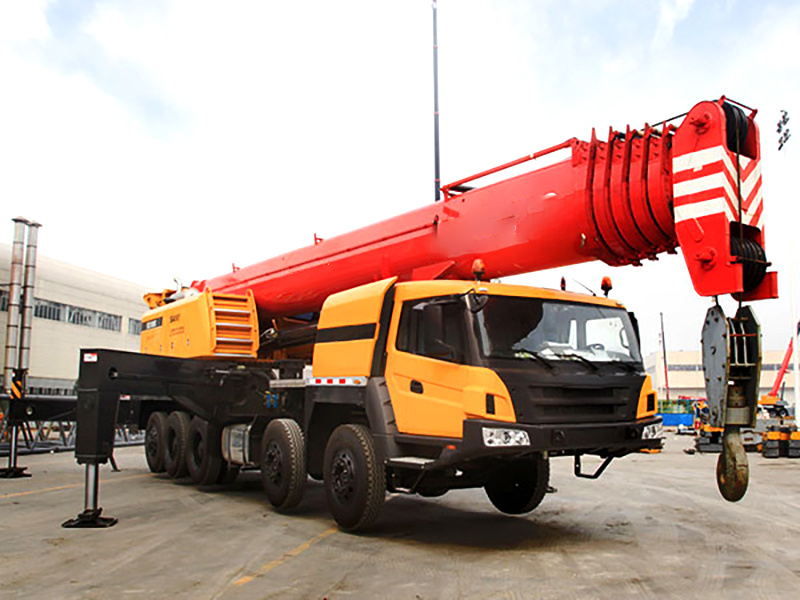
(621, 200)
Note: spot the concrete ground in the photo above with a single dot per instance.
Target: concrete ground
(654, 526)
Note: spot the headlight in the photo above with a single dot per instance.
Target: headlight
(653, 432)
(495, 436)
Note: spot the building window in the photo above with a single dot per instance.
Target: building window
(776, 367)
(134, 326)
(3, 300)
(81, 316)
(52, 311)
(109, 322)
(76, 315)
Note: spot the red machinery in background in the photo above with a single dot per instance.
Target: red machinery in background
(772, 401)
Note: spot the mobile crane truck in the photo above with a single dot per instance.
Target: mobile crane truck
(388, 359)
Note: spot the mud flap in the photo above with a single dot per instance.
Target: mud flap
(732, 368)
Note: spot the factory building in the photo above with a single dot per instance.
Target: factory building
(684, 373)
(73, 308)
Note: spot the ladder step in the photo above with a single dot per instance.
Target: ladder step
(410, 462)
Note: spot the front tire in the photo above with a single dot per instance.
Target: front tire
(155, 441)
(283, 463)
(203, 452)
(519, 486)
(355, 479)
(176, 444)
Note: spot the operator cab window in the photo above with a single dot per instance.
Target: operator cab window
(438, 334)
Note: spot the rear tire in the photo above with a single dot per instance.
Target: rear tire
(176, 444)
(155, 441)
(203, 452)
(355, 480)
(283, 463)
(519, 486)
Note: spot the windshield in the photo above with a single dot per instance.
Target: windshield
(533, 328)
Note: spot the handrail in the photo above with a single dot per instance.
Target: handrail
(446, 188)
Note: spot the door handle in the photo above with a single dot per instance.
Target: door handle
(416, 386)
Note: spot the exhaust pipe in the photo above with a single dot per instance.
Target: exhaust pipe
(27, 295)
(14, 301)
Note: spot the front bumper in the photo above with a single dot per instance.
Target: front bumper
(566, 439)
(603, 439)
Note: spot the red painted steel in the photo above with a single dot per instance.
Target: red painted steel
(776, 387)
(609, 200)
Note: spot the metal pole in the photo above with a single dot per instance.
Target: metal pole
(664, 352)
(92, 487)
(437, 178)
(12, 452)
(14, 298)
(27, 295)
(783, 138)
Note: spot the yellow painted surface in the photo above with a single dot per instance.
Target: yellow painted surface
(451, 393)
(647, 388)
(343, 359)
(358, 306)
(204, 325)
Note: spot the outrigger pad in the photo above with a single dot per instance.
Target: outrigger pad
(90, 519)
(13, 472)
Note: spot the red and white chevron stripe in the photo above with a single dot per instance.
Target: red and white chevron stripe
(705, 183)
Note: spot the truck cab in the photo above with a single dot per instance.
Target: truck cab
(465, 383)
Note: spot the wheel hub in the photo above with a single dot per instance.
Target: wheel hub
(343, 476)
(274, 460)
(152, 440)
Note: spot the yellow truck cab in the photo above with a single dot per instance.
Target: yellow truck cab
(467, 384)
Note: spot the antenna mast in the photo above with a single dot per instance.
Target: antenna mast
(437, 179)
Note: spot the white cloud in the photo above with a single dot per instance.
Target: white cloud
(671, 13)
(23, 20)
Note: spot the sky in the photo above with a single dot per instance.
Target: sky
(156, 139)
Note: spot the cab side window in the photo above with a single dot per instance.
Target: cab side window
(415, 333)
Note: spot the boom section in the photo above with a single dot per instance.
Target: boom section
(622, 199)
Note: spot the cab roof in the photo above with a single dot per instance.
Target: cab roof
(446, 287)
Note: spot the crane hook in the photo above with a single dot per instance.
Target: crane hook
(733, 472)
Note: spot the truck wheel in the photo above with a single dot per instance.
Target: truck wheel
(155, 441)
(283, 463)
(176, 444)
(203, 453)
(355, 480)
(519, 486)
